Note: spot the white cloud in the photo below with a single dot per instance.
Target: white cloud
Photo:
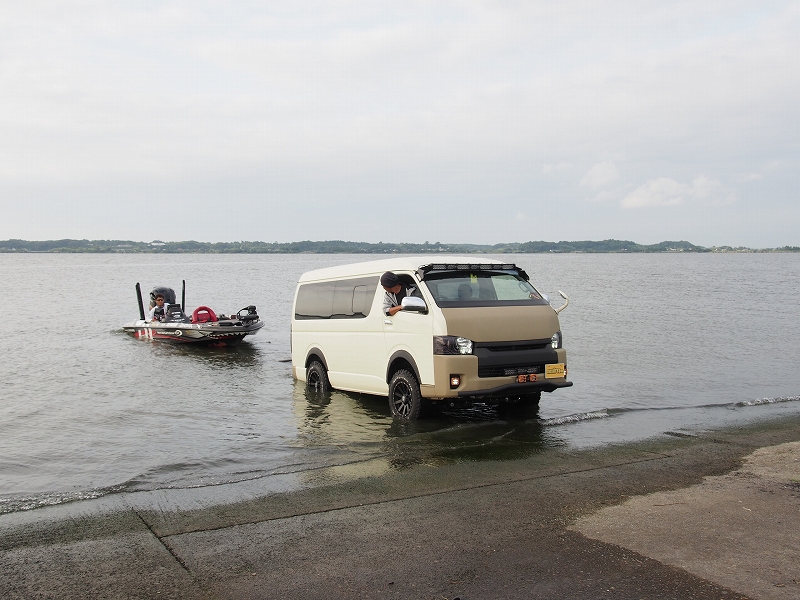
(664, 191)
(600, 176)
(561, 167)
(657, 192)
(605, 195)
(749, 177)
(710, 190)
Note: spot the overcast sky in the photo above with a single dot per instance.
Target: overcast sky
(462, 121)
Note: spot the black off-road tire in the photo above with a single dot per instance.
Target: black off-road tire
(405, 399)
(317, 378)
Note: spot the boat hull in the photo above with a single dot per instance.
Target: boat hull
(218, 333)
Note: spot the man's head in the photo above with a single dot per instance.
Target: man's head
(390, 282)
(159, 299)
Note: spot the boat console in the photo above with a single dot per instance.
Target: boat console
(174, 314)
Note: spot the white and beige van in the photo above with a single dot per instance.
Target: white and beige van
(480, 332)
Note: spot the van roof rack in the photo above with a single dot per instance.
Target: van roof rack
(431, 268)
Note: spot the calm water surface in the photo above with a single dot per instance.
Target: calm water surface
(656, 343)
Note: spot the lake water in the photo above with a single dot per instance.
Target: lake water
(656, 343)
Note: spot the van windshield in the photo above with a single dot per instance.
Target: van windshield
(460, 289)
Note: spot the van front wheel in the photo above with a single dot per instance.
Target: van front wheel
(317, 377)
(405, 400)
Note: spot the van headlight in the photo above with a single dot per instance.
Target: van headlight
(555, 341)
(450, 344)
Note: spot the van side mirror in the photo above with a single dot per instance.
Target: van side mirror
(414, 304)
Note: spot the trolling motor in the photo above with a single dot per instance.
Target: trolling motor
(249, 315)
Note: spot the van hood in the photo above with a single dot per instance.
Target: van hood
(502, 323)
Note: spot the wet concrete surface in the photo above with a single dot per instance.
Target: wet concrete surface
(469, 530)
(739, 529)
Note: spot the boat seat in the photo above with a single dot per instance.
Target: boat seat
(203, 314)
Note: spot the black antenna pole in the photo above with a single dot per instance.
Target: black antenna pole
(139, 298)
(183, 296)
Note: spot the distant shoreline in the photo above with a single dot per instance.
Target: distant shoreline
(342, 247)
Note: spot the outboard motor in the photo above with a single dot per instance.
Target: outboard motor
(168, 293)
(250, 315)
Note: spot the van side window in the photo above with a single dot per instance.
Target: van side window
(361, 300)
(315, 300)
(344, 299)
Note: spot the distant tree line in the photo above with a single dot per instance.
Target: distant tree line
(342, 247)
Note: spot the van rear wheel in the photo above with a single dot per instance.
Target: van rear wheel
(317, 377)
(405, 399)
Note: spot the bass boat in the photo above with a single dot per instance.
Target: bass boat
(202, 326)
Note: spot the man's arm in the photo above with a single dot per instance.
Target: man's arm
(394, 310)
(389, 307)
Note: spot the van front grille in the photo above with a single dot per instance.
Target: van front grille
(523, 357)
(501, 371)
(518, 347)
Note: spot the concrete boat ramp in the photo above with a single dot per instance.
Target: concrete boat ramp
(713, 515)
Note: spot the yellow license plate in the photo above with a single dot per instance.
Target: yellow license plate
(553, 371)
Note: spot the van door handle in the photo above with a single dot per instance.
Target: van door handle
(387, 322)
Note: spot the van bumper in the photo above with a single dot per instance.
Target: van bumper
(472, 386)
(516, 389)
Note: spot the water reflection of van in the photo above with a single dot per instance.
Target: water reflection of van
(479, 332)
